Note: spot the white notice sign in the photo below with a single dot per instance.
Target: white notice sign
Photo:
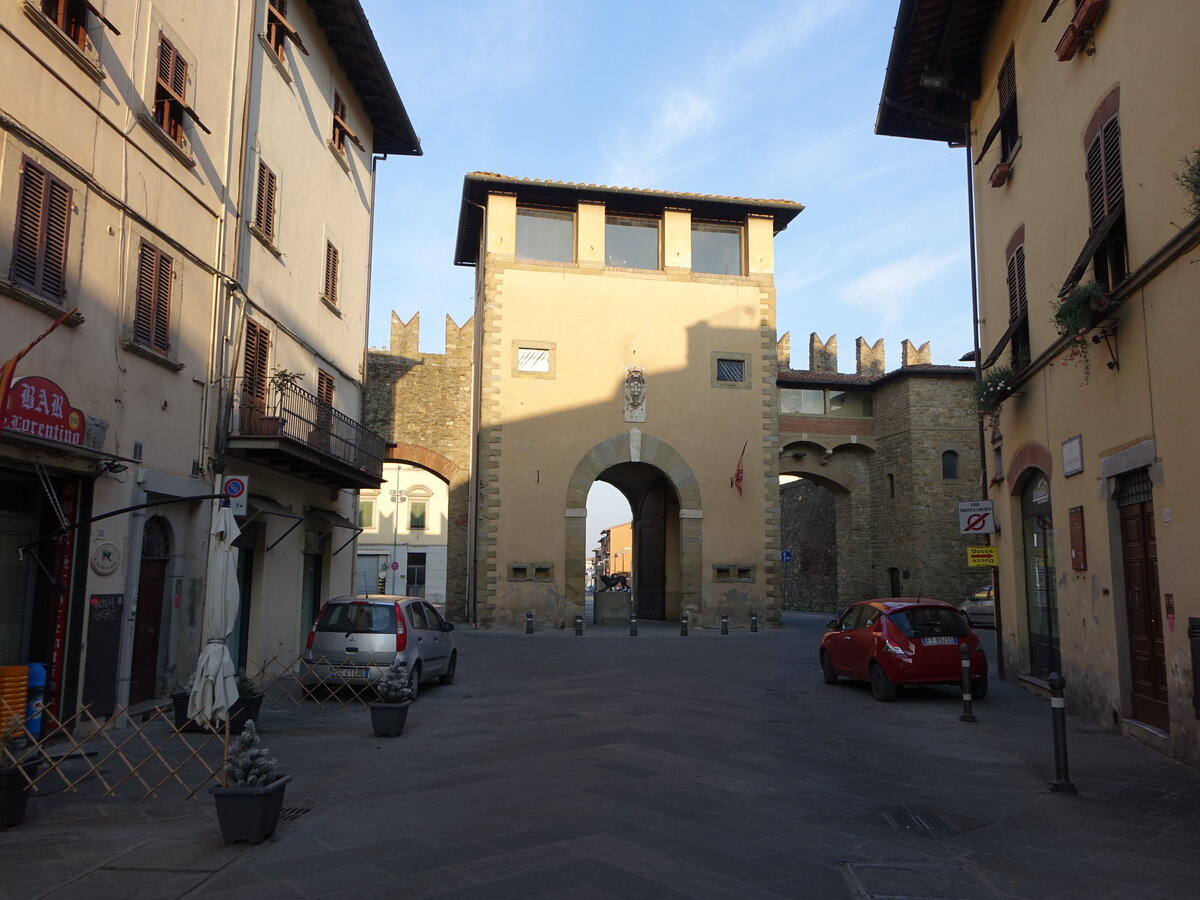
(975, 517)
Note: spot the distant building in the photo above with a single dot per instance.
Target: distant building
(884, 458)
(403, 542)
(1076, 122)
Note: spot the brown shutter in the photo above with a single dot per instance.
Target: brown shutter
(1022, 297)
(254, 362)
(331, 272)
(324, 388)
(152, 321)
(264, 216)
(27, 243)
(58, 225)
(1114, 187)
(162, 304)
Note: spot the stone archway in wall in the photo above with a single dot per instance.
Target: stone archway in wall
(660, 487)
(838, 488)
(457, 480)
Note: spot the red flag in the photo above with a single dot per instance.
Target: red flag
(736, 480)
(7, 370)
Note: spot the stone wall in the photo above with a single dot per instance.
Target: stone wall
(421, 402)
(810, 579)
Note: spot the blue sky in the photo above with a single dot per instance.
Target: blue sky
(770, 100)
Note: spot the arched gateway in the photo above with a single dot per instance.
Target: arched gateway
(626, 336)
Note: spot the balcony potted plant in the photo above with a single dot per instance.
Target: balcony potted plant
(991, 391)
(249, 803)
(1076, 313)
(281, 381)
(390, 711)
(18, 766)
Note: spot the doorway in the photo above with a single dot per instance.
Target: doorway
(1041, 597)
(152, 576)
(1139, 559)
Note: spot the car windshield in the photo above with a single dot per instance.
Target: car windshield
(926, 621)
(358, 618)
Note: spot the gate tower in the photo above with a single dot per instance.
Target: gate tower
(626, 336)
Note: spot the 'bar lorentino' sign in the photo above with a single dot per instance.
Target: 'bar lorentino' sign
(38, 407)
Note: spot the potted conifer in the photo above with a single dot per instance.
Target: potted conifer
(390, 711)
(249, 804)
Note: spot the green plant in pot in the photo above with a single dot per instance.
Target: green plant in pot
(991, 391)
(390, 711)
(249, 803)
(1076, 313)
(19, 763)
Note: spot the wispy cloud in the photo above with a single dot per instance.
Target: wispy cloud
(887, 290)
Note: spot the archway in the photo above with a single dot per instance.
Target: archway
(664, 499)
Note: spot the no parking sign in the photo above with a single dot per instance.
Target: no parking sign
(236, 488)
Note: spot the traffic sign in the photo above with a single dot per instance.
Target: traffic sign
(786, 555)
(395, 566)
(975, 517)
(236, 488)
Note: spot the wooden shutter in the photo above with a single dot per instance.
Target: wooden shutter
(43, 227)
(264, 214)
(152, 321)
(331, 272)
(254, 362)
(1018, 302)
(172, 69)
(1105, 184)
(324, 388)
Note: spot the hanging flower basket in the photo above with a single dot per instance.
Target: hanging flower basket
(1077, 313)
(991, 391)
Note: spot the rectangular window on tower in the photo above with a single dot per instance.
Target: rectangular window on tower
(545, 235)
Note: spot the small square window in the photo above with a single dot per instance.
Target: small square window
(366, 513)
(731, 370)
(533, 359)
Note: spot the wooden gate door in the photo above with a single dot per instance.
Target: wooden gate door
(144, 670)
(650, 557)
(1139, 555)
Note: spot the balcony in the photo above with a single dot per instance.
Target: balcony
(290, 430)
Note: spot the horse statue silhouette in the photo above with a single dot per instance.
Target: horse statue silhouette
(611, 582)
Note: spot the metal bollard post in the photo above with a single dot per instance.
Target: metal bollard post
(578, 623)
(633, 624)
(753, 621)
(967, 716)
(529, 623)
(1058, 710)
(683, 624)
(724, 623)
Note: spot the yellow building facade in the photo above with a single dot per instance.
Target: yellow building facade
(1077, 119)
(626, 336)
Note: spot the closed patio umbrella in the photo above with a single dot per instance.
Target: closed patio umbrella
(215, 687)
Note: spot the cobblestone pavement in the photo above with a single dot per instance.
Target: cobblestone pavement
(607, 766)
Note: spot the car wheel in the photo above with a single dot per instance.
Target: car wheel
(414, 680)
(447, 677)
(827, 670)
(979, 689)
(882, 688)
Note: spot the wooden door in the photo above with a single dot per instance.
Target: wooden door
(1147, 657)
(144, 670)
(650, 554)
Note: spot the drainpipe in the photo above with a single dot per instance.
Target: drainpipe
(983, 462)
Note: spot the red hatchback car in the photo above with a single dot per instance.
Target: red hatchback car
(901, 642)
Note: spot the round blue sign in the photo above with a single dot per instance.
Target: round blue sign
(786, 555)
(235, 487)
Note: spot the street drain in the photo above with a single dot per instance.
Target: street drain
(291, 813)
(903, 820)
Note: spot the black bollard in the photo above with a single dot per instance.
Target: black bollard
(1058, 710)
(633, 624)
(529, 623)
(683, 623)
(753, 621)
(724, 623)
(967, 716)
(578, 623)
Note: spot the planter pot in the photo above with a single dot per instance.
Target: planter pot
(243, 708)
(388, 718)
(14, 793)
(249, 813)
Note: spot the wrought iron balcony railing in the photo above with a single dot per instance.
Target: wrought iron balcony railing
(293, 415)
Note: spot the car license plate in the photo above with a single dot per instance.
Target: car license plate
(945, 639)
(348, 671)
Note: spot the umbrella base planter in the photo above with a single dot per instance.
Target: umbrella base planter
(14, 793)
(388, 718)
(249, 813)
(243, 708)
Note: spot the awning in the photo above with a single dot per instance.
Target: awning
(257, 505)
(333, 520)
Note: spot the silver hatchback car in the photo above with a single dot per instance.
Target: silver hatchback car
(355, 639)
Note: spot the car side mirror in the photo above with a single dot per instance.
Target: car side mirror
(447, 626)
(832, 625)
